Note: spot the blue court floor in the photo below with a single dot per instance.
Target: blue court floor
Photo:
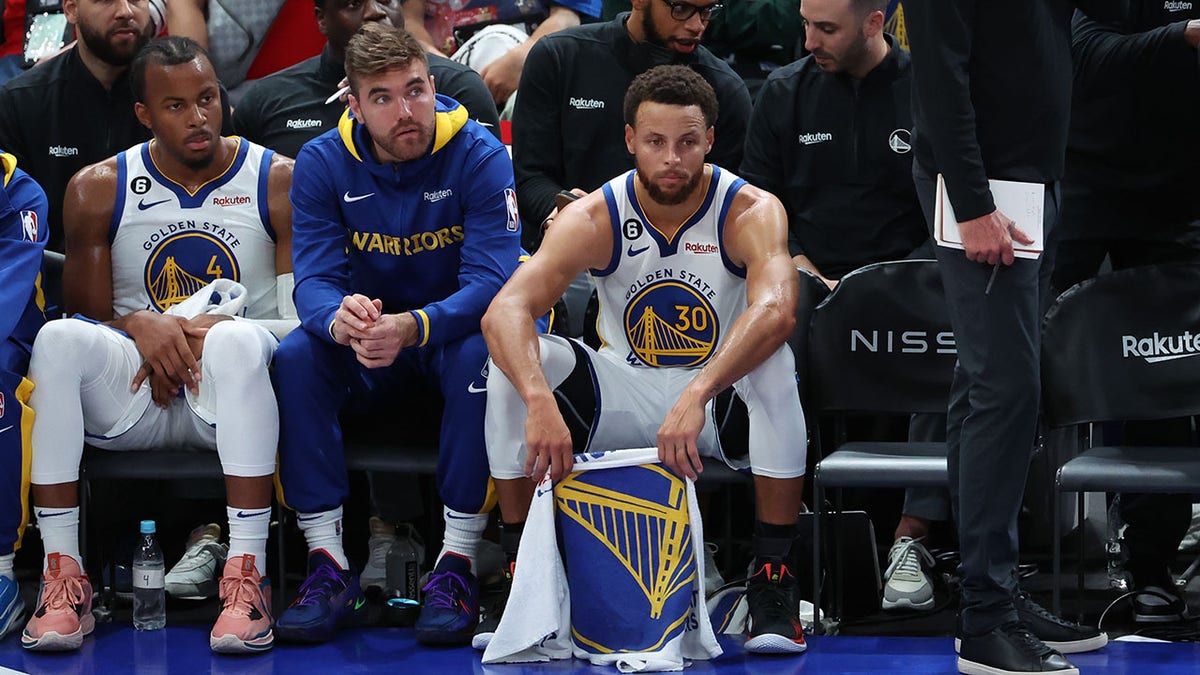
(118, 649)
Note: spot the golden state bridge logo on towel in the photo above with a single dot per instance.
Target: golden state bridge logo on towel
(669, 323)
(630, 563)
(183, 264)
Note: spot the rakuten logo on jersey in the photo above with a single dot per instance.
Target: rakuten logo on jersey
(691, 247)
(586, 103)
(1176, 6)
(303, 124)
(1161, 347)
(814, 138)
(63, 151)
(240, 200)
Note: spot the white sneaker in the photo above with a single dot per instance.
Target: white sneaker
(712, 574)
(195, 576)
(374, 573)
(906, 586)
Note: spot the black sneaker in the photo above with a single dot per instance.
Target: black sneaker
(1066, 637)
(1159, 604)
(774, 601)
(1010, 650)
(491, 608)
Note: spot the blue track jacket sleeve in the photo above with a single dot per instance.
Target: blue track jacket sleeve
(24, 229)
(321, 267)
(491, 248)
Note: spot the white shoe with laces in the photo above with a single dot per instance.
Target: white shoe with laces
(195, 576)
(712, 574)
(374, 573)
(906, 586)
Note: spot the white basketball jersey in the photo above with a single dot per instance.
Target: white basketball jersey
(168, 243)
(667, 303)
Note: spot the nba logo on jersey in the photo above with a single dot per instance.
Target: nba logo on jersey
(183, 264)
(628, 553)
(29, 222)
(510, 202)
(671, 324)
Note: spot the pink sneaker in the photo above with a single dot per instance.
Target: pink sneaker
(244, 625)
(64, 608)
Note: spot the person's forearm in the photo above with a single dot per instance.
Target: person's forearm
(511, 336)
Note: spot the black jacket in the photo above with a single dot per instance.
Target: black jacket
(992, 92)
(285, 110)
(837, 153)
(57, 118)
(568, 126)
(1134, 132)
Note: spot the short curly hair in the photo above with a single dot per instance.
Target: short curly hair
(672, 85)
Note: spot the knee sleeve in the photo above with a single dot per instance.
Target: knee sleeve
(237, 396)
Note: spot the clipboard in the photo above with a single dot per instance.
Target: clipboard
(1024, 203)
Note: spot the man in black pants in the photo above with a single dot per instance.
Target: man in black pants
(991, 101)
(1129, 192)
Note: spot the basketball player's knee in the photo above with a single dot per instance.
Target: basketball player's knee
(61, 343)
(497, 382)
(232, 346)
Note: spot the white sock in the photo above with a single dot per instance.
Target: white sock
(60, 531)
(6, 568)
(324, 531)
(248, 534)
(463, 532)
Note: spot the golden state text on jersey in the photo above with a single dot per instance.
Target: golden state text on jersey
(168, 243)
(664, 301)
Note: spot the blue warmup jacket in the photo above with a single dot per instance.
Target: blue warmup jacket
(437, 236)
(24, 230)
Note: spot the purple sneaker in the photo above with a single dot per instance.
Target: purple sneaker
(328, 600)
(450, 610)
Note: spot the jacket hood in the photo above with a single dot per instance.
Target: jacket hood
(449, 118)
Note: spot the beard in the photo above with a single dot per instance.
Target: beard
(854, 55)
(661, 196)
(101, 45)
(655, 38)
(406, 151)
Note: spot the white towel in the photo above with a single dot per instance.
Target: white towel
(540, 629)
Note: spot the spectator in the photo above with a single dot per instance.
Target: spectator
(501, 74)
(658, 229)
(406, 227)
(22, 239)
(151, 324)
(1129, 193)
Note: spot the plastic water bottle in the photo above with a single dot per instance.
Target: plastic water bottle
(1118, 578)
(149, 596)
(404, 564)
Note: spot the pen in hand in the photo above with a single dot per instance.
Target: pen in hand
(338, 94)
(992, 279)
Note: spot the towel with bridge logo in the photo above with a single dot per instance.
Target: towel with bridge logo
(625, 588)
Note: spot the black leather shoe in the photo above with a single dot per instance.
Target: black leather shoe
(1064, 636)
(1158, 604)
(1010, 650)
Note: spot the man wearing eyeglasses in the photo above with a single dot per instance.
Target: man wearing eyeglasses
(567, 125)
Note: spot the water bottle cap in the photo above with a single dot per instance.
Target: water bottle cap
(147, 527)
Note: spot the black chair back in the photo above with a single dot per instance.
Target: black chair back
(881, 342)
(813, 292)
(1124, 346)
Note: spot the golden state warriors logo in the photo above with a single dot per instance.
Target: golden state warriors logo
(627, 539)
(670, 324)
(183, 264)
